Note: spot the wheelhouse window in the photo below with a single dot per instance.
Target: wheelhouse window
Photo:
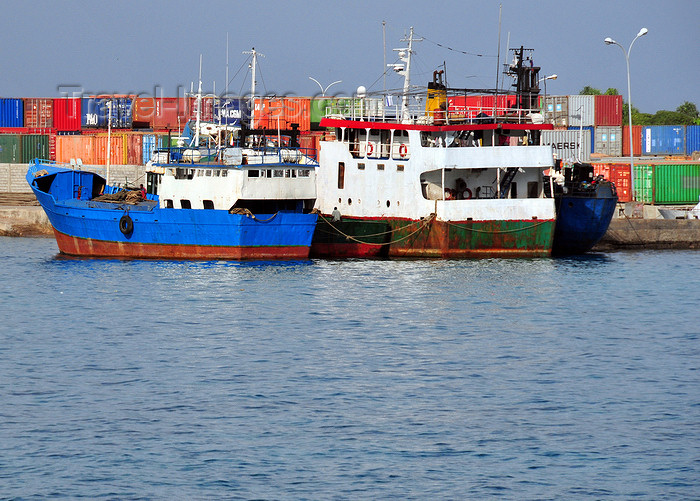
(169, 204)
(361, 166)
(208, 204)
(253, 173)
(185, 204)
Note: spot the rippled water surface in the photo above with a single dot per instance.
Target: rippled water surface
(517, 379)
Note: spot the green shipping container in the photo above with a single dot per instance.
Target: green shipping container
(318, 109)
(643, 183)
(677, 184)
(35, 146)
(10, 149)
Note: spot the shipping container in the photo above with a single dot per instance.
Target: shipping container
(38, 113)
(52, 147)
(273, 113)
(569, 145)
(66, 114)
(207, 113)
(608, 110)
(148, 146)
(160, 113)
(643, 183)
(134, 149)
(10, 148)
(581, 110)
(636, 139)
(472, 106)
(93, 113)
(556, 110)
(663, 140)
(117, 149)
(35, 146)
(591, 131)
(676, 183)
(619, 174)
(11, 112)
(608, 140)
(231, 111)
(692, 139)
(74, 147)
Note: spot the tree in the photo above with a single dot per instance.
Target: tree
(689, 109)
(612, 92)
(589, 91)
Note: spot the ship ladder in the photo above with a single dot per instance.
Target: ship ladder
(507, 179)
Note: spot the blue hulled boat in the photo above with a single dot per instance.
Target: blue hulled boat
(253, 201)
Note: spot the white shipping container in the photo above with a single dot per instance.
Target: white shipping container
(581, 109)
(608, 140)
(569, 145)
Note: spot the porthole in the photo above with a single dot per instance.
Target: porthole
(388, 203)
(349, 201)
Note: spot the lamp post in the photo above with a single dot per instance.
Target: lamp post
(550, 77)
(323, 91)
(610, 41)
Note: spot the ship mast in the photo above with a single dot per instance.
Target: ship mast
(405, 56)
(199, 104)
(253, 67)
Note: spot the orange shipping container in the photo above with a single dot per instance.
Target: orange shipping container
(620, 175)
(74, 147)
(271, 113)
(118, 149)
(636, 139)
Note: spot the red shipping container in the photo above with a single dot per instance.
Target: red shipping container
(608, 110)
(207, 109)
(134, 149)
(471, 106)
(620, 175)
(161, 112)
(66, 114)
(636, 139)
(38, 113)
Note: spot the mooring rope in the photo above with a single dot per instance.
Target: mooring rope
(423, 224)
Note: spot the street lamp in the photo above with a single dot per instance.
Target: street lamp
(323, 91)
(610, 41)
(550, 77)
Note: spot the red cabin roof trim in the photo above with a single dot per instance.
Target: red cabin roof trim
(357, 124)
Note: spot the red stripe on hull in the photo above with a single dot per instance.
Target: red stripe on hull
(87, 247)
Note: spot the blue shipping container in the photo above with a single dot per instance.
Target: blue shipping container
(231, 111)
(94, 113)
(96, 109)
(592, 133)
(149, 146)
(692, 139)
(11, 113)
(663, 140)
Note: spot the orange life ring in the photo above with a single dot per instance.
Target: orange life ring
(403, 150)
(370, 148)
(467, 194)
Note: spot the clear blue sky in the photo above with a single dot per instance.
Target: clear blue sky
(131, 46)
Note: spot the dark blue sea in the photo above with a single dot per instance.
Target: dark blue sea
(478, 379)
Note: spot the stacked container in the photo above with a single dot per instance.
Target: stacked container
(620, 175)
(608, 140)
(608, 110)
(692, 139)
(11, 112)
(663, 140)
(569, 145)
(38, 113)
(66, 114)
(581, 110)
(636, 139)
